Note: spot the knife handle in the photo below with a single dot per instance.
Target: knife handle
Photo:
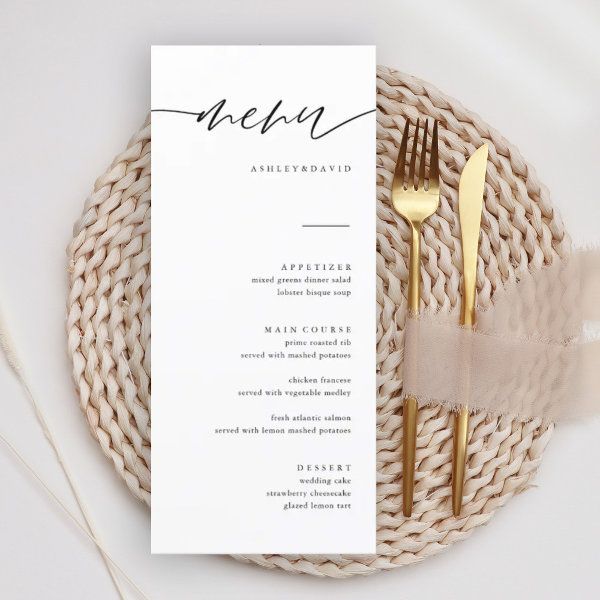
(461, 419)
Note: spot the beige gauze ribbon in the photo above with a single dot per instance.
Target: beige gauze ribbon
(534, 353)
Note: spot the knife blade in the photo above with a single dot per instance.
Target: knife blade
(470, 205)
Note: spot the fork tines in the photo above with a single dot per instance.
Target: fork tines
(400, 171)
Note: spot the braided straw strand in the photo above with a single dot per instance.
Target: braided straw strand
(108, 326)
(108, 319)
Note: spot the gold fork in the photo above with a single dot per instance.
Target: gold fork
(415, 204)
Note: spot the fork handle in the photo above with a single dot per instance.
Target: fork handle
(410, 409)
(414, 269)
(461, 434)
(409, 446)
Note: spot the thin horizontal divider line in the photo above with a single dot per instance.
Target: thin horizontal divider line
(332, 225)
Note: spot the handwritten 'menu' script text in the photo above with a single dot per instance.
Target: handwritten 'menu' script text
(217, 114)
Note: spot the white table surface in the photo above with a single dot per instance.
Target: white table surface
(74, 85)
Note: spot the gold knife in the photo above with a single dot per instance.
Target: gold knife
(470, 204)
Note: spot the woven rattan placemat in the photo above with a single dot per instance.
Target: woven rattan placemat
(109, 325)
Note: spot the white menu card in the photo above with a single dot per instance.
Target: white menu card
(263, 307)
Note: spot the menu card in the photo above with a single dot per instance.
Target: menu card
(263, 308)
